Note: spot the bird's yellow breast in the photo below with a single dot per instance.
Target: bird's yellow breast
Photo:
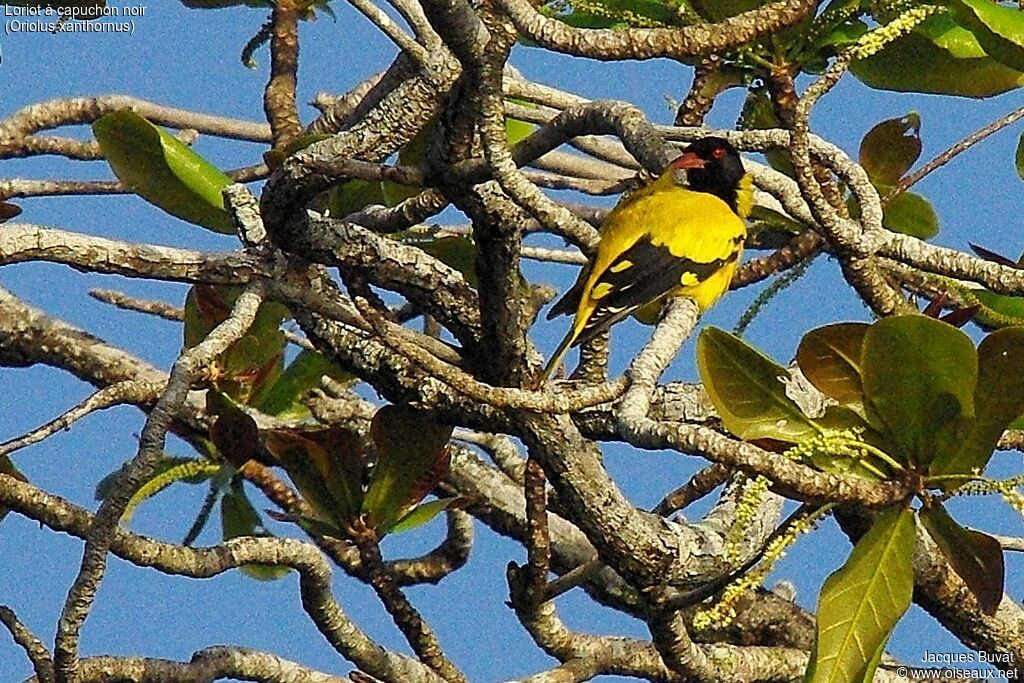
(692, 225)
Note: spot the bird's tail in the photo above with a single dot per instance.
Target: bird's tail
(556, 359)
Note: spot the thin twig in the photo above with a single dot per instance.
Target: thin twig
(701, 484)
(409, 621)
(538, 547)
(279, 96)
(116, 394)
(946, 156)
(34, 649)
(160, 309)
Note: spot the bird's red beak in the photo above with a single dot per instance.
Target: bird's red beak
(688, 160)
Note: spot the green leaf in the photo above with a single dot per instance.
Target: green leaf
(830, 358)
(456, 251)
(302, 374)
(1019, 157)
(239, 518)
(837, 25)
(967, 444)
(412, 153)
(251, 364)
(747, 390)
(866, 466)
(937, 57)
(1012, 306)
(890, 148)
(354, 195)
(977, 558)
(861, 602)
(163, 170)
(919, 374)
(423, 513)
(999, 30)
(167, 472)
(234, 433)
(327, 466)
(412, 456)
(275, 157)
(911, 214)
(516, 131)
(769, 229)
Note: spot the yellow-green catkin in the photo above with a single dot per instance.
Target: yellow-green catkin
(873, 41)
(1009, 491)
(747, 507)
(839, 445)
(723, 612)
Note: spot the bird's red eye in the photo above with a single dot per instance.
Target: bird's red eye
(718, 152)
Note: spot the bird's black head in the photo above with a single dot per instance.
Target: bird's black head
(713, 165)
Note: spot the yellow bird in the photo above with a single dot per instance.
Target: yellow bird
(682, 235)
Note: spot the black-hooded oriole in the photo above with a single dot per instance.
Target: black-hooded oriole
(681, 235)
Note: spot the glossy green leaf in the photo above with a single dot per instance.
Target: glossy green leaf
(999, 30)
(746, 388)
(977, 558)
(163, 170)
(239, 518)
(412, 456)
(1019, 157)
(234, 433)
(456, 251)
(967, 444)
(302, 374)
(919, 374)
(252, 364)
(861, 602)
(830, 359)
(355, 195)
(169, 471)
(423, 513)
(1012, 306)
(516, 131)
(937, 57)
(890, 148)
(327, 466)
(911, 214)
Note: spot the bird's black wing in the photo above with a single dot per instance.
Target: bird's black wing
(643, 273)
(570, 301)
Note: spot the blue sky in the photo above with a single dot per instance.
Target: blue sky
(190, 59)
